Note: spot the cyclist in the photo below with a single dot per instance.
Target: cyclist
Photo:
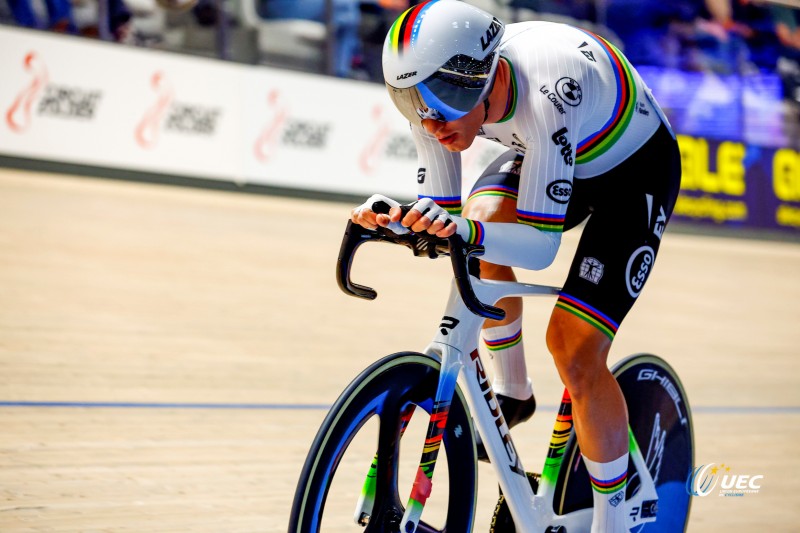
(586, 139)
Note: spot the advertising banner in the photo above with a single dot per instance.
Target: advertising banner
(737, 185)
(79, 101)
(73, 100)
(334, 135)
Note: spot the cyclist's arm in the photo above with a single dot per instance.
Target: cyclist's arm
(438, 179)
(438, 171)
(531, 243)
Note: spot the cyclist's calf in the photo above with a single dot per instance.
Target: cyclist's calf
(580, 352)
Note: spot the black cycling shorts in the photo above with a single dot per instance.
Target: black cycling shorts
(628, 208)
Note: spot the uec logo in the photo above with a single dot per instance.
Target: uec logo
(699, 482)
(703, 479)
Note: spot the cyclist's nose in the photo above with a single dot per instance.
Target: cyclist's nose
(432, 126)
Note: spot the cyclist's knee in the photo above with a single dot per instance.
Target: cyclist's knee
(579, 350)
(497, 272)
(491, 209)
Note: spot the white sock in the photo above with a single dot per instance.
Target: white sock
(504, 344)
(608, 483)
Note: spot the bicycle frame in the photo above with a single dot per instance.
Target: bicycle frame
(456, 343)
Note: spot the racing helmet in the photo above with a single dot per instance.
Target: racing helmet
(439, 59)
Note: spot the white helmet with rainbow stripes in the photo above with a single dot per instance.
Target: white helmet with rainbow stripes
(439, 59)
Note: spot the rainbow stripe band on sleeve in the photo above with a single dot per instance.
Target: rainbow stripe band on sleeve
(451, 204)
(585, 311)
(476, 232)
(609, 486)
(511, 104)
(494, 190)
(541, 221)
(404, 30)
(598, 143)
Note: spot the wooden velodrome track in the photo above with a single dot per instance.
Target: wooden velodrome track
(166, 354)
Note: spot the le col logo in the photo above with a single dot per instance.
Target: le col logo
(560, 139)
(588, 54)
(491, 33)
(703, 479)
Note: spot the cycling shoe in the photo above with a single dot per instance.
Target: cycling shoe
(514, 412)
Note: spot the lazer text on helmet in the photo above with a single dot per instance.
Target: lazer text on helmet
(491, 33)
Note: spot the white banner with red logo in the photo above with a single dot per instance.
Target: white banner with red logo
(72, 100)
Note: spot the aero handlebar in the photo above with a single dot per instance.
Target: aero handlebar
(422, 245)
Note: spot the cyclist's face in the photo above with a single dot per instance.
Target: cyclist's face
(456, 135)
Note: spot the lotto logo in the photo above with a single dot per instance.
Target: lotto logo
(560, 139)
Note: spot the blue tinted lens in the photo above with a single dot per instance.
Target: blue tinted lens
(456, 88)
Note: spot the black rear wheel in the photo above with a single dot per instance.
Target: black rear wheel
(661, 421)
(372, 414)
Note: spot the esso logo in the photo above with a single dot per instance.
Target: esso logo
(560, 191)
(639, 267)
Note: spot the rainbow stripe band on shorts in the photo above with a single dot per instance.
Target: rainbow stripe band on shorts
(494, 190)
(585, 311)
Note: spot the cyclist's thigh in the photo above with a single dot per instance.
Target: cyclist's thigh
(620, 241)
(494, 195)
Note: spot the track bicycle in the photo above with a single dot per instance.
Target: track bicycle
(447, 381)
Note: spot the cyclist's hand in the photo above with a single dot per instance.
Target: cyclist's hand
(426, 215)
(365, 215)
